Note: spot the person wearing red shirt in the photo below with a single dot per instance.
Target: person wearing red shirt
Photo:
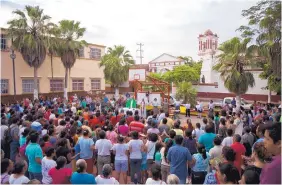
(60, 174)
(130, 118)
(46, 143)
(95, 121)
(136, 125)
(47, 114)
(115, 119)
(240, 150)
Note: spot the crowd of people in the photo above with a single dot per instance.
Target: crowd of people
(85, 141)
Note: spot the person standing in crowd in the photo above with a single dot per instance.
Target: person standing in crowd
(228, 141)
(198, 131)
(121, 159)
(164, 128)
(271, 172)
(34, 155)
(156, 175)
(178, 157)
(227, 174)
(136, 146)
(222, 128)
(239, 150)
(200, 163)
(239, 124)
(60, 174)
(105, 177)
(103, 146)
(189, 142)
(14, 133)
(165, 164)
(216, 151)
(81, 176)
(17, 176)
(47, 164)
(150, 149)
(169, 120)
(136, 125)
(207, 138)
(177, 128)
(6, 167)
(86, 146)
(188, 107)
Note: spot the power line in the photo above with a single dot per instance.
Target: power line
(140, 51)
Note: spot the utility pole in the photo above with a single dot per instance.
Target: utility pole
(140, 51)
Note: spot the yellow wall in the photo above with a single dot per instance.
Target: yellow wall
(84, 68)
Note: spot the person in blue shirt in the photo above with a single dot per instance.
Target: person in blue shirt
(207, 138)
(200, 165)
(178, 157)
(81, 176)
(34, 154)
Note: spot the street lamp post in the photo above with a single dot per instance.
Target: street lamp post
(13, 57)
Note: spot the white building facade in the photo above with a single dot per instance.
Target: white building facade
(212, 83)
(164, 62)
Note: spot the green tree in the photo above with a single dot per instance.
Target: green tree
(69, 44)
(183, 73)
(186, 92)
(53, 44)
(116, 64)
(235, 57)
(28, 32)
(265, 27)
(192, 63)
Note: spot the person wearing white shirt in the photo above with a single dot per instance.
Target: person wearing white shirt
(48, 163)
(18, 176)
(216, 151)
(73, 108)
(121, 159)
(104, 147)
(52, 115)
(188, 107)
(106, 178)
(228, 141)
(198, 131)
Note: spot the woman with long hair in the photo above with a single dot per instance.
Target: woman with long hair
(165, 164)
(200, 164)
(60, 174)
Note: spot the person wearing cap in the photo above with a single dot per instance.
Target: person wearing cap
(81, 176)
(105, 177)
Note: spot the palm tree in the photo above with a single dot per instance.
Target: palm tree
(235, 57)
(52, 44)
(28, 32)
(116, 66)
(69, 34)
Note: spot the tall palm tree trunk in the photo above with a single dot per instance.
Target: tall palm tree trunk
(35, 91)
(238, 102)
(66, 84)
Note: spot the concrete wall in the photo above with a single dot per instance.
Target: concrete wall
(84, 68)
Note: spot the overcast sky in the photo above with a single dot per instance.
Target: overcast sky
(164, 26)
